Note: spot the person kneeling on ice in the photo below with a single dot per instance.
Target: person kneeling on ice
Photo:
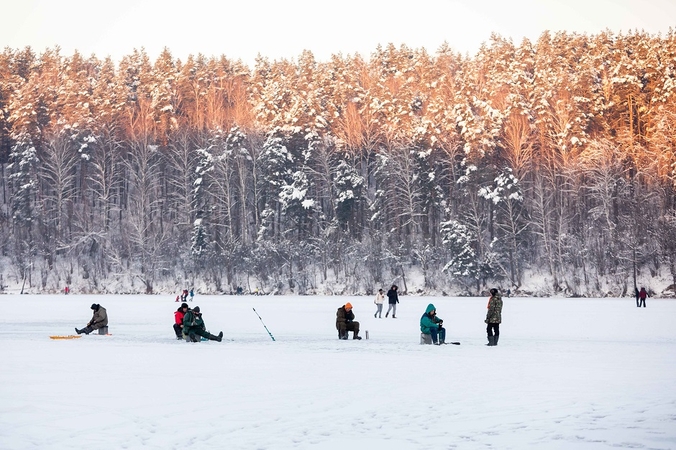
(432, 325)
(99, 320)
(178, 319)
(193, 326)
(345, 322)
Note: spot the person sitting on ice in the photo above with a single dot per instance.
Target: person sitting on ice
(99, 320)
(345, 322)
(178, 320)
(432, 325)
(193, 326)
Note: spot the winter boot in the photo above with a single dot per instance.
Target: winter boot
(387, 314)
(343, 335)
(356, 337)
(491, 341)
(218, 338)
(78, 331)
(497, 337)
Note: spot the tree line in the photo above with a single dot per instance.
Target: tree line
(552, 159)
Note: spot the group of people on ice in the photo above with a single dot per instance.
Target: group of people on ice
(430, 324)
(189, 325)
(640, 296)
(184, 295)
(392, 300)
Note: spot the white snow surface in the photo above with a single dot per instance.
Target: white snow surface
(567, 374)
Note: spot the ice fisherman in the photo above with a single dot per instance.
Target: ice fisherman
(179, 314)
(433, 325)
(345, 322)
(193, 326)
(99, 320)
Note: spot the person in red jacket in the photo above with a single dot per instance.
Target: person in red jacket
(178, 319)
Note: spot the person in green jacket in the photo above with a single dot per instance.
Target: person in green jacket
(193, 326)
(493, 317)
(432, 325)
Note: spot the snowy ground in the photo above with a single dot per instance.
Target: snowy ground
(567, 374)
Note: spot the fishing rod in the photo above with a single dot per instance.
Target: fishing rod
(266, 328)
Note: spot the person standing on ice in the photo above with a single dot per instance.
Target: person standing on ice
(432, 325)
(380, 298)
(637, 294)
(392, 299)
(345, 322)
(494, 317)
(193, 326)
(99, 320)
(178, 320)
(642, 295)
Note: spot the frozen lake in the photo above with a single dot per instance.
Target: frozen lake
(567, 374)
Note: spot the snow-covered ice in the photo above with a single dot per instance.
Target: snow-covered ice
(567, 374)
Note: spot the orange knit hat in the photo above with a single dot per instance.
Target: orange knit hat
(348, 305)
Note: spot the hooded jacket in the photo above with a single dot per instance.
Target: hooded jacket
(392, 296)
(343, 316)
(192, 321)
(178, 316)
(494, 313)
(99, 318)
(428, 321)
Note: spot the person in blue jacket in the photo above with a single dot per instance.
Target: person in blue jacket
(432, 325)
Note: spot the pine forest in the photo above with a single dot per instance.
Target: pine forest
(552, 160)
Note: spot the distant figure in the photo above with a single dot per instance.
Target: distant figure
(193, 326)
(494, 317)
(255, 292)
(637, 294)
(509, 292)
(184, 295)
(432, 325)
(66, 290)
(239, 290)
(178, 320)
(99, 320)
(380, 298)
(642, 295)
(345, 322)
(178, 297)
(392, 299)
(192, 294)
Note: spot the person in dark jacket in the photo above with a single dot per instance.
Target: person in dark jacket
(494, 317)
(392, 299)
(193, 326)
(345, 322)
(637, 295)
(432, 325)
(99, 320)
(642, 296)
(178, 320)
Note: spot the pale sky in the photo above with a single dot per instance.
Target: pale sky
(284, 28)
